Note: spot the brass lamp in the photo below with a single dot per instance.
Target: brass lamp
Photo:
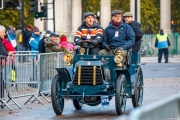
(118, 59)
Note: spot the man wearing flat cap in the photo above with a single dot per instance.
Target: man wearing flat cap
(117, 36)
(136, 28)
(89, 34)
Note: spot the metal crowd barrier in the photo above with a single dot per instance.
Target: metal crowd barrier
(3, 87)
(166, 109)
(20, 75)
(47, 62)
(28, 74)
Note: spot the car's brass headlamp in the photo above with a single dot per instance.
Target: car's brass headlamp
(118, 57)
(68, 59)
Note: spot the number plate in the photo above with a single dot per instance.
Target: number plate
(104, 100)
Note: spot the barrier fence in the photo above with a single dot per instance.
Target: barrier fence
(149, 41)
(3, 88)
(166, 109)
(47, 63)
(28, 74)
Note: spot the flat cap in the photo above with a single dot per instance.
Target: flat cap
(88, 14)
(116, 12)
(127, 14)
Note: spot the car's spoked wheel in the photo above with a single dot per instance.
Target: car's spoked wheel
(137, 98)
(77, 104)
(57, 100)
(120, 97)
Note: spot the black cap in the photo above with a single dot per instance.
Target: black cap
(88, 14)
(54, 34)
(116, 12)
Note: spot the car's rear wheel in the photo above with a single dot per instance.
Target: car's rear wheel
(137, 98)
(57, 100)
(77, 104)
(120, 96)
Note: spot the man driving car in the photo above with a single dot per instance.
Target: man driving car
(89, 34)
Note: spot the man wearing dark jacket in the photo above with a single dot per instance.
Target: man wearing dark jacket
(3, 52)
(26, 36)
(41, 47)
(2, 34)
(89, 34)
(162, 43)
(136, 28)
(117, 35)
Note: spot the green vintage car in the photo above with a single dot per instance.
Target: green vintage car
(96, 79)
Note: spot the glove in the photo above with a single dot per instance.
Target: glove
(107, 48)
(118, 48)
(94, 42)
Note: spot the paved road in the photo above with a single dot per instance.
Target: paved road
(158, 85)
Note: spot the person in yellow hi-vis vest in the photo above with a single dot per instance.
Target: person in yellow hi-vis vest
(162, 43)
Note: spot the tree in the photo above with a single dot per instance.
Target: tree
(13, 16)
(150, 16)
(122, 5)
(175, 13)
(90, 6)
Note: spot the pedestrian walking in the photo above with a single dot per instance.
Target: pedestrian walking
(162, 43)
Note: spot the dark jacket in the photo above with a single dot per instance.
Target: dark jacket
(156, 42)
(26, 37)
(41, 47)
(138, 34)
(125, 39)
(2, 48)
(95, 33)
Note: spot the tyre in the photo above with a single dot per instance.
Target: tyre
(57, 101)
(120, 96)
(137, 98)
(77, 104)
(150, 51)
(142, 52)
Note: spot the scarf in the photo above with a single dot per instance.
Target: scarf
(116, 24)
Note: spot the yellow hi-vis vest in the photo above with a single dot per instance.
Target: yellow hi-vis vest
(12, 75)
(162, 41)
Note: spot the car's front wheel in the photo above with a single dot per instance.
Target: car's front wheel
(57, 101)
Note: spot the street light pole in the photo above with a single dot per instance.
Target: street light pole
(54, 15)
(135, 10)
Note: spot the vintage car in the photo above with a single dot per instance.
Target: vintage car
(96, 79)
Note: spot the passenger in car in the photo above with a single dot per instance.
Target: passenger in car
(117, 36)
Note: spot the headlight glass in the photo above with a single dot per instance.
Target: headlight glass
(118, 59)
(68, 59)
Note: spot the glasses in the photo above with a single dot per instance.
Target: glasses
(117, 16)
